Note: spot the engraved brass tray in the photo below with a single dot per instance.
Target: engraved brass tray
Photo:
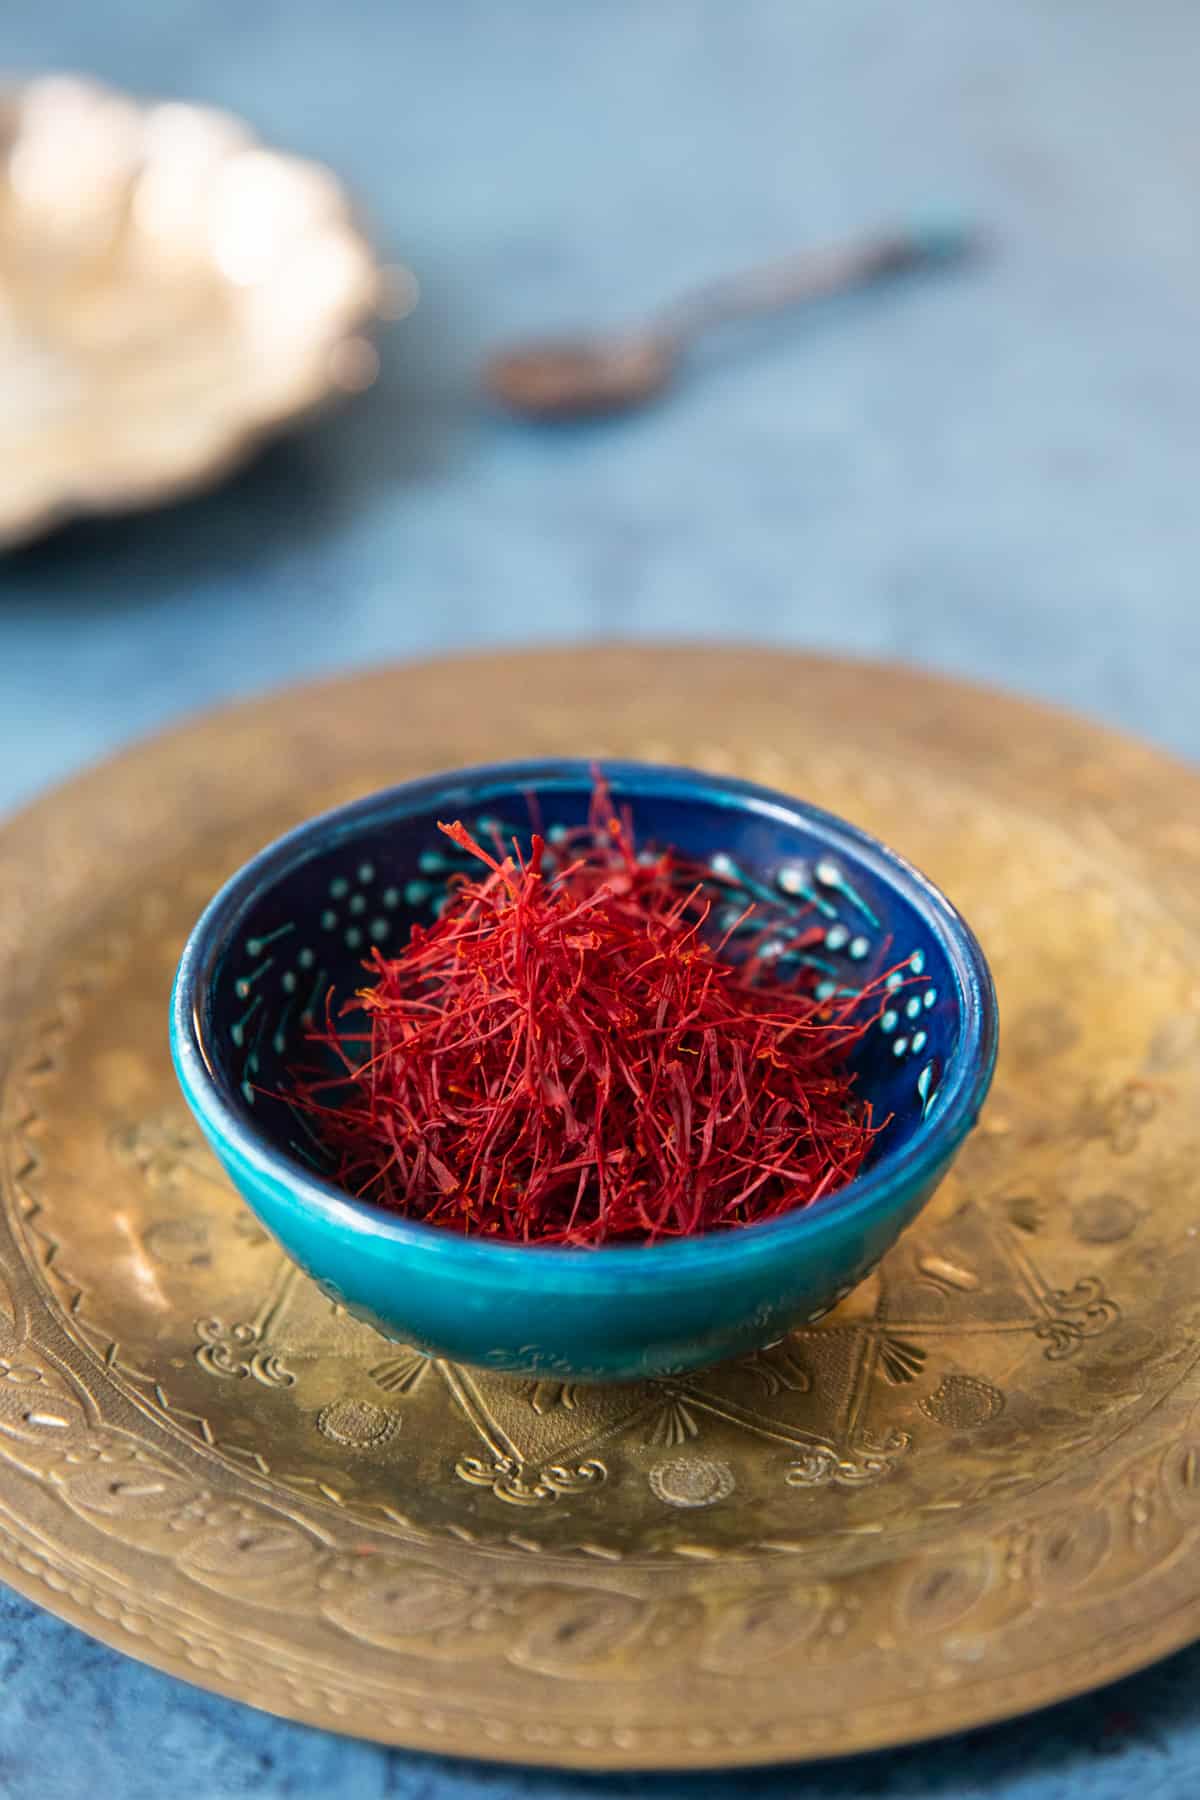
(973, 1489)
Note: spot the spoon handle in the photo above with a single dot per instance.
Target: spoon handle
(813, 275)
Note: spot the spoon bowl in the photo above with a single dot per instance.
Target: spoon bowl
(572, 378)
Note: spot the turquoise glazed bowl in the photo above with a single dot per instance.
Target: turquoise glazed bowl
(299, 917)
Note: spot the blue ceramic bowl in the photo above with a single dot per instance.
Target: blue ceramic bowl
(300, 917)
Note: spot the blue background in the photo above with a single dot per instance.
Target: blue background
(993, 472)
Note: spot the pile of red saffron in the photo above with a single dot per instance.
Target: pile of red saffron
(571, 1055)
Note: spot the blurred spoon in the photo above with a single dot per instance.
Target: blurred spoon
(564, 378)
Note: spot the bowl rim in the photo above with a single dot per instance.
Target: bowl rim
(950, 1118)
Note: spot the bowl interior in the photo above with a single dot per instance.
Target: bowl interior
(299, 921)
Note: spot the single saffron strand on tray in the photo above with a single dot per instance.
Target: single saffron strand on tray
(570, 1055)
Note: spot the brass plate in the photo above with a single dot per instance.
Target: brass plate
(974, 1489)
(172, 293)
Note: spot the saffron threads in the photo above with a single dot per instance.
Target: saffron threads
(575, 1054)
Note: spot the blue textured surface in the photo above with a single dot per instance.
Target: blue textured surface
(621, 1313)
(993, 472)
